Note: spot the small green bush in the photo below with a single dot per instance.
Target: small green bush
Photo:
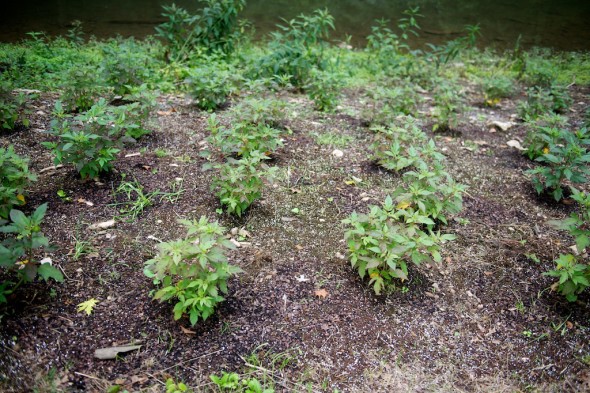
(381, 243)
(255, 111)
(21, 248)
(297, 49)
(91, 140)
(544, 132)
(448, 101)
(387, 103)
(129, 63)
(210, 84)
(495, 87)
(396, 147)
(324, 88)
(430, 191)
(15, 177)
(565, 158)
(540, 101)
(574, 277)
(572, 272)
(215, 28)
(441, 55)
(194, 270)
(242, 139)
(538, 69)
(12, 108)
(240, 182)
(233, 383)
(81, 88)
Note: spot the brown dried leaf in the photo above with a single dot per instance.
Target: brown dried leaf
(321, 293)
(84, 201)
(187, 331)
(138, 379)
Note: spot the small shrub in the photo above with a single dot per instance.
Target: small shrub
(255, 111)
(540, 101)
(324, 88)
(215, 28)
(232, 382)
(444, 54)
(381, 243)
(430, 191)
(384, 41)
(15, 177)
(387, 103)
(92, 139)
(211, 84)
(398, 146)
(21, 248)
(297, 48)
(573, 274)
(81, 89)
(496, 87)
(574, 277)
(240, 182)
(180, 387)
(543, 133)
(242, 139)
(127, 64)
(13, 108)
(538, 70)
(194, 270)
(567, 161)
(577, 223)
(448, 101)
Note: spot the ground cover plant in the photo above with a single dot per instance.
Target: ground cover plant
(292, 214)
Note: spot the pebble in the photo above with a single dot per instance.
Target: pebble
(337, 153)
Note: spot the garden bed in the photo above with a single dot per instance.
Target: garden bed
(484, 318)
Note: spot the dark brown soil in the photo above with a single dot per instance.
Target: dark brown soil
(484, 319)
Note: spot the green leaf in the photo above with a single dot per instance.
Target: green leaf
(39, 213)
(19, 218)
(46, 271)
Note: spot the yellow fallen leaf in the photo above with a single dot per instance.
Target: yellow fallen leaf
(87, 306)
(403, 205)
(21, 198)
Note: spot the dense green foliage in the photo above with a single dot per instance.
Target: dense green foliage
(193, 270)
(20, 251)
(92, 139)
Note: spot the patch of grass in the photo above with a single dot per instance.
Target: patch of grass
(161, 153)
(332, 139)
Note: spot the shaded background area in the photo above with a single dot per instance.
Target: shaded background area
(558, 24)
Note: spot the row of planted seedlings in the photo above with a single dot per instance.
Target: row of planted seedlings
(194, 271)
(89, 140)
(562, 153)
(408, 226)
(560, 149)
